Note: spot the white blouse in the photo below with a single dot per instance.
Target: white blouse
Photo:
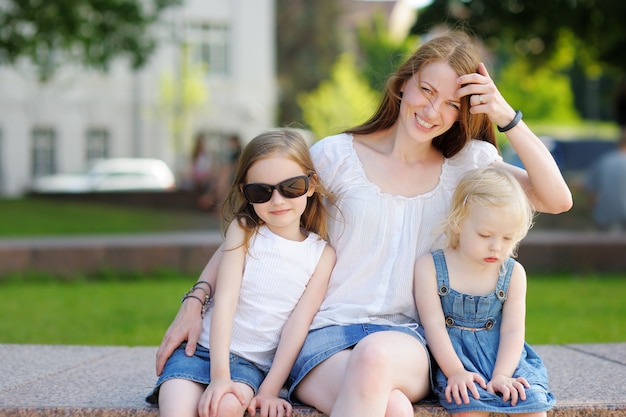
(378, 236)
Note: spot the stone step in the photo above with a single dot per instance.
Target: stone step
(112, 381)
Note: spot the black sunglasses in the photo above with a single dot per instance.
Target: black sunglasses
(290, 188)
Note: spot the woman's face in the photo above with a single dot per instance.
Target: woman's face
(429, 107)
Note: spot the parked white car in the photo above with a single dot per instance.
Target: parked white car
(115, 174)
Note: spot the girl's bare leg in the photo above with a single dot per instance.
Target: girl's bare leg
(179, 398)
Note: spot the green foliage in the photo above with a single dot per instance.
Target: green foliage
(183, 98)
(543, 94)
(339, 103)
(308, 42)
(597, 25)
(382, 53)
(90, 32)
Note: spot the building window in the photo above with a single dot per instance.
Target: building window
(209, 47)
(44, 149)
(97, 145)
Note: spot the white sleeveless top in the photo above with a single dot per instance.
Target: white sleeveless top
(276, 273)
(378, 236)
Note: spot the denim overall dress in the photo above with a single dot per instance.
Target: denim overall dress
(473, 323)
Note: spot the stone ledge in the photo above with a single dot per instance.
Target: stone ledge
(70, 255)
(540, 252)
(43, 380)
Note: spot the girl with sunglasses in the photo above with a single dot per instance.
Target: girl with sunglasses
(393, 177)
(271, 281)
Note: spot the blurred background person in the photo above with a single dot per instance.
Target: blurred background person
(606, 179)
(226, 169)
(202, 173)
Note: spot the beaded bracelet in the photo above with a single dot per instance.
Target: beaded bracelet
(205, 303)
(187, 295)
(514, 122)
(197, 285)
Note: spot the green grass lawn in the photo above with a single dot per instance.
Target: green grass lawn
(576, 309)
(40, 217)
(136, 312)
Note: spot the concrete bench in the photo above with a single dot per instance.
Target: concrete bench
(588, 380)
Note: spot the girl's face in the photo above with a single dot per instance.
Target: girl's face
(280, 214)
(487, 235)
(428, 107)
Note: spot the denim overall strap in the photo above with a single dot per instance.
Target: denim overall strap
(443, 283)
(502, 288)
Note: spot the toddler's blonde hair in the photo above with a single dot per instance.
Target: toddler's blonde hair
(488, 187)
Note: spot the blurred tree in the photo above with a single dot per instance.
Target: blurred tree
(534, 26)
(351, 94)
(343, 101)
(307, 45)
(381, 52)
(183, 98)
(90, 32)
(544, 92)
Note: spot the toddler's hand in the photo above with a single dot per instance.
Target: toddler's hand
(513, 389)
(213, 394)
(269, 406)
(462, 382)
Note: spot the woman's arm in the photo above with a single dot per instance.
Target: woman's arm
(187, 324)
(541, 178)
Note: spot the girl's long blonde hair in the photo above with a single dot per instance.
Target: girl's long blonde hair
(290, 144)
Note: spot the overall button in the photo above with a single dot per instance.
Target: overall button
(449, 321)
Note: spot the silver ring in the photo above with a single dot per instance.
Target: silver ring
(480, 99)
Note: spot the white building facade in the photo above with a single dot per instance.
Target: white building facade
(212, 75)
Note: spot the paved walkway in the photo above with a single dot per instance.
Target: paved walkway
(588, 380)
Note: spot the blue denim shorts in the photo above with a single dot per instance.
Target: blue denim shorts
(197, 368)
(321, 344)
